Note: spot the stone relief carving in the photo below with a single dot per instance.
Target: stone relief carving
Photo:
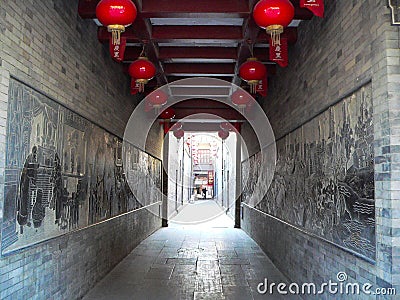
(324, 179)
(63, 172)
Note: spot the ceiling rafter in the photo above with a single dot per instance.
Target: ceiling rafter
(195, 9)
(205, 38)
(165, 33)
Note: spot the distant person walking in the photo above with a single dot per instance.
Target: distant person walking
(204, 192)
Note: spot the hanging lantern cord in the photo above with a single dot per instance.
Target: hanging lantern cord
(143, 53)
(142, 82)
(253, 85)
(251, 47)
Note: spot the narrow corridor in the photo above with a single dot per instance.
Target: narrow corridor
(264, 133)
(191, 262)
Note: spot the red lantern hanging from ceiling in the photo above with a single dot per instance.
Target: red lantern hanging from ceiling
(157, 99)
(168, 114)
(241, 98)
(179, 133)
(226, 126)
(177, 126)
(274, 16)
(223, 134)
(142, 70)
(116, 15)
(252, 71)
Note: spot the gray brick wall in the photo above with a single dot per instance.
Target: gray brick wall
(154, 141)
(68, 266)
(48, 46)
(354, 43)
(303, 258)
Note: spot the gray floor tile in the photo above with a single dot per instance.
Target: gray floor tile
(190, 263)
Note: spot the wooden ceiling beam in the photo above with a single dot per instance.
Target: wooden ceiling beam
(162, 33)
(197, 52)
(204, 69)
(191, 9)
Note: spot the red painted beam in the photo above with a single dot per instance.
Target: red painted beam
(197, 32)
(201, 32)
(190, 9)
(227, 114)
(197, 52)
(205, 69)
(262, 54)
(271, 70)
(201, 104)
(208, 53)
(176, 78)
(87, 8)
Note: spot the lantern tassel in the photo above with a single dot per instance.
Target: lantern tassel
(157, 109)
(275, 32)
(252, 88)
(276, 38)
(141, 83)
(116, 31)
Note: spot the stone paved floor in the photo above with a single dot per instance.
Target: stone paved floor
(191, 262)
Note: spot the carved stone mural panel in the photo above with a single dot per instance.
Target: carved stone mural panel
(324, 179)
(63, 172)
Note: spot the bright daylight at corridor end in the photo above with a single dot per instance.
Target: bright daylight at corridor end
(208, 149)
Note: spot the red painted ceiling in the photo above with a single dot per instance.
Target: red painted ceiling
(195, 37)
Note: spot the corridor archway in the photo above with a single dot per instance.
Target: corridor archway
(210, 95)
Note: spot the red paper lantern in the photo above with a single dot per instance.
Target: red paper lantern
(142, 70)
(168, 114)
(157, 99)
(179, 133)
(223, 134)
(274, 16)
(177, 126)
(241, 99)
(116, 15)
(252, 71)
(226, 126)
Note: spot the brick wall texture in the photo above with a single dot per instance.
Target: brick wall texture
(47, 45)
(353, 44)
